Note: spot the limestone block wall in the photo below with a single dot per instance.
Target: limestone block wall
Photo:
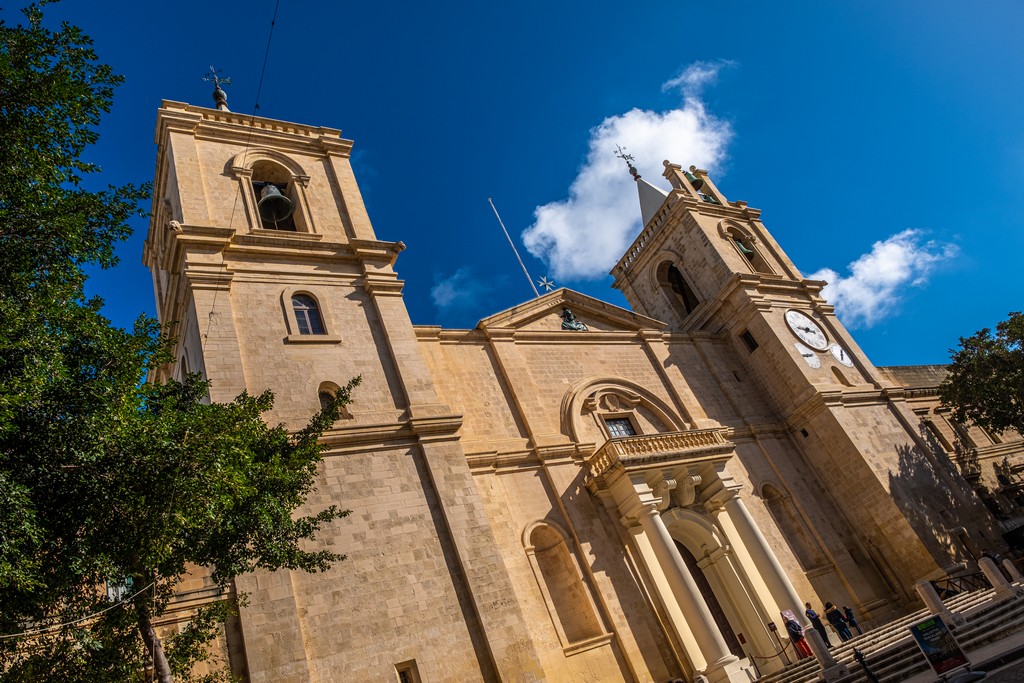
(397, 597)
(519, 383)
(294, 366)
(568, 623)
(466, 374)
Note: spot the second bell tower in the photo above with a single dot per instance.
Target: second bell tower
(709, 268)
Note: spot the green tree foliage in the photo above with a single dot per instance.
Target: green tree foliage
(985, 385)
(104, 478)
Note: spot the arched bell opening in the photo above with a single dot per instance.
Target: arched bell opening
(746, 245)
(675, 286)
(275, 196)
(272, 187)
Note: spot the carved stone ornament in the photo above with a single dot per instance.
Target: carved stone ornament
(684, 493)
(174, 226)
(611, 401)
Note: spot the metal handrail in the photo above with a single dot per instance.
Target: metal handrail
(954, 585)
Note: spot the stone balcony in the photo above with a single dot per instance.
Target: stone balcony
(659, 451)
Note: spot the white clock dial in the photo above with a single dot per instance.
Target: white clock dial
(810, 356)
(841, 355)
(806, 330)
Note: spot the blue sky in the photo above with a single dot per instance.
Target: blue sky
(882, 141)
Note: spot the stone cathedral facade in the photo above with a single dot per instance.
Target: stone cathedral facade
(569, 491)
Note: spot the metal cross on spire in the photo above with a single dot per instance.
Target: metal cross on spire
(620, 152)
(546, 283)
(220, 97)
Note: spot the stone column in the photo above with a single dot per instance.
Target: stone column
(645, 553)
(767, 564)
(934, 603)
(831, 670)
(710, 641)
(1004, 589)
(1011, 569)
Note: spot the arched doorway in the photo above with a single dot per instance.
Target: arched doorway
(739, 603)
(714, 606)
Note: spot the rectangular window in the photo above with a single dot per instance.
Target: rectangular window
(749, 340)
(407, 672)
(620, 426)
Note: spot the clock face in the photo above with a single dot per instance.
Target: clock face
(806, 330)
(841, 355)
(810, 356)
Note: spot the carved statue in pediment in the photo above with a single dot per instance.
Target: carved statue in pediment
(569, 321)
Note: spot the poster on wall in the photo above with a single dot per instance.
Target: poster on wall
(938, 645)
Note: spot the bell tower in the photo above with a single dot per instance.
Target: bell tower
(710, 269)
(269, 275)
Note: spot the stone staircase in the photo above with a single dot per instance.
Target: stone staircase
(891, 652)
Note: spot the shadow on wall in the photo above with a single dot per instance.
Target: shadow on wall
(940, 504)
(598, 528)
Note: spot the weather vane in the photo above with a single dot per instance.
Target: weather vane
(620, 152)
(547, 284)
(219, 96)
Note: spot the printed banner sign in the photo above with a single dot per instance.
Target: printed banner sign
(938, 645)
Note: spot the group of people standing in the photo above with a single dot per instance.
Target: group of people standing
(841, 621)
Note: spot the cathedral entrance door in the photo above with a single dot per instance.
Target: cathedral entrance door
(714, 606)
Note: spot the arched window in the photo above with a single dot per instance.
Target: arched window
(326, 394)
(307, 314)
(325, 398)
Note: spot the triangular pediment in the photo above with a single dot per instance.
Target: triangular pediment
(545, 314)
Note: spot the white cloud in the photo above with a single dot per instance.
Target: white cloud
(582, 236)
(878, 278)
(691, 80)
(458, 291)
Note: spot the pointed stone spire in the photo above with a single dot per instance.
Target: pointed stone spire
(651, 197)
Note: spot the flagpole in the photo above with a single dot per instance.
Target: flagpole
(514, 250)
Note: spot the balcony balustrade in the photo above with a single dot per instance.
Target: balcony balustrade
(656, 450)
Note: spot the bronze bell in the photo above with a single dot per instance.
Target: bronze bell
(743, 249)
(274, 206)
(694, 180)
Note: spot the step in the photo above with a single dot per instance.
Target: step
(892, 653)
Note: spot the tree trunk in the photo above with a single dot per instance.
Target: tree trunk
(161, 668)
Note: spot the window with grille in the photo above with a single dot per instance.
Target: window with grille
(620, 426)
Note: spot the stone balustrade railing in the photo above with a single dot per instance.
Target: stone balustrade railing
(641, 241)
(635, 450)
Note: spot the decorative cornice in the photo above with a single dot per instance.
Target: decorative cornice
(380, 284)
(209, 277)
(376, 250)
